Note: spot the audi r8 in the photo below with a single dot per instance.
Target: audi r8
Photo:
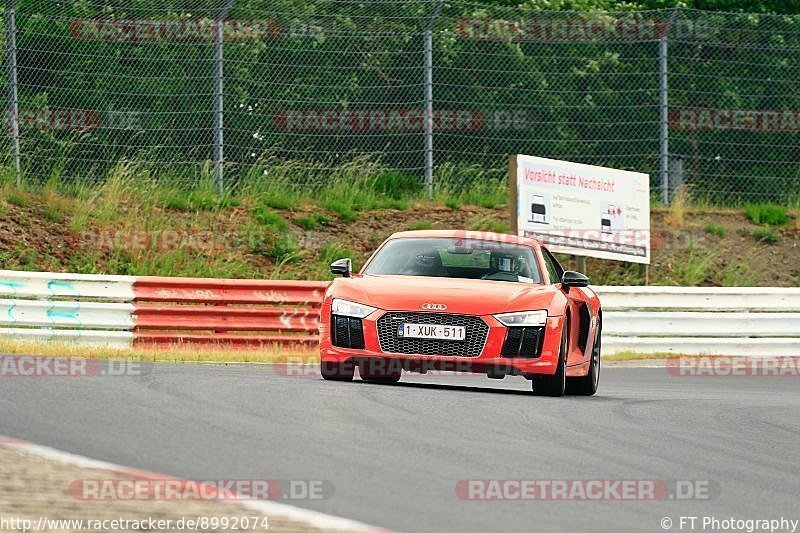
(465, 301)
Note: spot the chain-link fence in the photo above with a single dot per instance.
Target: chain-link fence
(302, 91)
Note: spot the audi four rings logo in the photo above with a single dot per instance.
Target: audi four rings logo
(434, 307)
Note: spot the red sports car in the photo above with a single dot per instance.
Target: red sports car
(464, 301)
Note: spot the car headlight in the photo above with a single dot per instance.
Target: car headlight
(353, 309)
(523, 318)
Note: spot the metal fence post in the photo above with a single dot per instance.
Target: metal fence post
(219, 123)
(13, 98)
(663, 93)
(429, 98)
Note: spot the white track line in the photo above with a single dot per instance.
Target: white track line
(313, 519)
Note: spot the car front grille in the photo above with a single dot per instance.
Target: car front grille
(476, 332)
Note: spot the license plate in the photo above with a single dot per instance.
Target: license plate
(432, 331)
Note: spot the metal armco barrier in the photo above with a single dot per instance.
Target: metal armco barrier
(124, 311)
(751, 321)
(86, 309)
(238, 313)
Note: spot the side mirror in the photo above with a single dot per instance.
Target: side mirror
(574, 279)
(342, 267)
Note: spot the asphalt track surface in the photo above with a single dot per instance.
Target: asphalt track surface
(396, 453)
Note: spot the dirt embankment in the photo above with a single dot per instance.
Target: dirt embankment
(700, 248)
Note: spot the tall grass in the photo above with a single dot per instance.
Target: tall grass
(676, 213)
(457, 184)
(767, 214)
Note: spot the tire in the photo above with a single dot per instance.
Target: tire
(587, 385)
(380, 371)
(334, 371)
(554, 385)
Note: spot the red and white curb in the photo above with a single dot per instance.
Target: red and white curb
(270, 509)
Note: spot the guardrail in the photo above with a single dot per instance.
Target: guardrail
(124, 311)
(89, 309)
(241, 313)
(701, 320)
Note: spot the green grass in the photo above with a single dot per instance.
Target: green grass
(344, 190)
(736, 275)
(52, 214)
(452, 203)
(397, 185)
(488, 189)
(421, 224)
(767, 214)
(342, 208)
(312, 222)
(26, 258)
(279, 201)
(715, 229)
(194, 201)
(173, 354)
(766, 235)
(488, 223)
(130, 197)
(696, 267)
(18, 198)
(177, 262)
(330, 253)
(267, 217)
(363, 184)
(282, 249)
(391, 203)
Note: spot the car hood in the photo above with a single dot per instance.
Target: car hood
(463, 296)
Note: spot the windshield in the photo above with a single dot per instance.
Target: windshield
(456, 258)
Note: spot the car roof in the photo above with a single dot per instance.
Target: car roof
(465, 234)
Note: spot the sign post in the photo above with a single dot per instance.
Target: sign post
(584, 210)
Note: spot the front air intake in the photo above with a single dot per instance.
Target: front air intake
(523, 342)
(347, 332)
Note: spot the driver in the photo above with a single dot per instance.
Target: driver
(425, 263)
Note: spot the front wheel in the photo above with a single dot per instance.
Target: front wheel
(554, 385)
(587, 385)
(335, 371)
